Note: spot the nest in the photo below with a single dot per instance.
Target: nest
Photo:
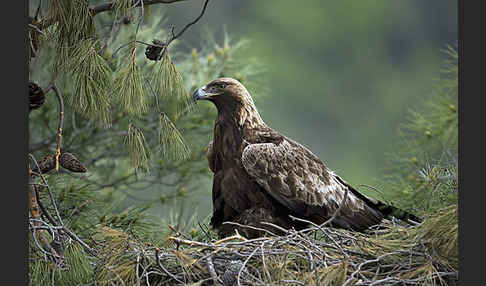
(390, 254)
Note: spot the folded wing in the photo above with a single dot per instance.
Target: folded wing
(300, 181)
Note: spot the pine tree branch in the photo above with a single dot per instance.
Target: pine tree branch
(37, 233)
(157, 259)
(53, 202)
(161, 45)
(189, 24)
(44, 210)
(43, 23)
(61, 120)
(37, 205)
(110, 5)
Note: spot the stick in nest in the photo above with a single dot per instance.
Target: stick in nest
(250, 227)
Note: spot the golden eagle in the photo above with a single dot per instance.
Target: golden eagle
(261, 175)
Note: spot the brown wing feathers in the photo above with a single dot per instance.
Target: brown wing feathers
(300, 181)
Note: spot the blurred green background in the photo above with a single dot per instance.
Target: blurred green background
(341, 75)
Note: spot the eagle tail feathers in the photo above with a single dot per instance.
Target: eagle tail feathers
(392, 211)
(378, 209)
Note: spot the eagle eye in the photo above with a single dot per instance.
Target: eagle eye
(222, 85)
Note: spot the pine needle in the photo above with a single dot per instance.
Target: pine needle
(334, 274)
(117, 264)
(171, 141)
(92, 82)
(136, 146)
(77, 259)
(130, 89)
(123, 8)
(74, 24)
(168, 84)
(440, 230)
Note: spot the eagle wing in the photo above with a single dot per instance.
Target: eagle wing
(300, 181)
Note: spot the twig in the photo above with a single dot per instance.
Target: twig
(387, 279)
(250, 227)
(173, 36)
(53, 202)
(37, 29)
(75, 237)
(243, 266)
(61, 120)
(110, 5)
(364, 263)
(137, 274)
(188, 25)
(264, 264)
(44, 210)
(236, 236)
(275, 226)
(157, 259)
(294, 281)
(214, 276)
(52, 252)
(135, 41)
(36, 232)
(49, 217)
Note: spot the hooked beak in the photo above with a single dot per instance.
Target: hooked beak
(200, 94)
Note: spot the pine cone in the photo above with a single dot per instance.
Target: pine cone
(46, 164)
(66, 160)
(70, 162)
(36, 96)
(154, 53)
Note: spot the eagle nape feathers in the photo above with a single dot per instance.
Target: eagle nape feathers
(261, 175)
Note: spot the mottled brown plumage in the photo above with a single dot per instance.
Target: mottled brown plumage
(261, 175)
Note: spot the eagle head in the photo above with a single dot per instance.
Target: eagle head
(231, 98)
(224, 93)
